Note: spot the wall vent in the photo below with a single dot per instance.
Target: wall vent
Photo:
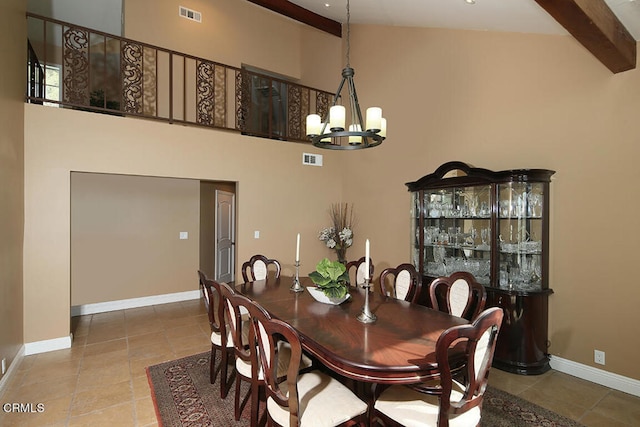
(312, 159)
(190, 14)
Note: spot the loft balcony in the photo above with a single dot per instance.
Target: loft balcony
(76, 67)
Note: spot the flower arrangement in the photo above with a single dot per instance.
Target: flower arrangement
(339, 236)
(331, 277)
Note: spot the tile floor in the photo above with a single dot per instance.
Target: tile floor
(101, 380)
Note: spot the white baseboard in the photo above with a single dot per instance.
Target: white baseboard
(4, 381)
(47, 345)
(595, 375)
(102, 307)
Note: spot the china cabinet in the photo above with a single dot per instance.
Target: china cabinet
(494, 225)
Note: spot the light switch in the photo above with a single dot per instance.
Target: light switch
(256, 234)
(184, 235)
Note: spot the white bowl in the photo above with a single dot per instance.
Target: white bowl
(319, 296)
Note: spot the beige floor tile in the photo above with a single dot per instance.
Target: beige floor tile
(550, 401)
(138, 367)
(106, 347)
(145, 411)
(101, 397)
(592, 419)
(141, 388)
(150, 350)
(48, 372)
(112, 374)
(201, 340)
(106, 333)
(144, 327)
(567, 389)
(144, 340)
(186, 331)
(188, 351)
(512, 383)
(122, 415)
(44, 391)
(615, 405)
(102, 360)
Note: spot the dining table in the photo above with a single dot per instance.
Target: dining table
(398, 348)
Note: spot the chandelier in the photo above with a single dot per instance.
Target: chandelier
(330, 133)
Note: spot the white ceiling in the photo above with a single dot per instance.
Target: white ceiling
(522, 16)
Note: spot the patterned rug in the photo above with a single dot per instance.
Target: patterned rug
(183, 397)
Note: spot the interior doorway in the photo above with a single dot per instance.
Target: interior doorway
(225, 236)
(217, 229)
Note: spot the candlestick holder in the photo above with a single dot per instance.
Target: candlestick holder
(296, 286)
(366, 316)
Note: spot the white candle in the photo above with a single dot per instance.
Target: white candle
(374, 119)
(355, 139)
(314, 124)
(298, 248)
(383, 127)
(337, 117)
(366, 260)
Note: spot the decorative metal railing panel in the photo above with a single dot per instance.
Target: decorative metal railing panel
(106, 73)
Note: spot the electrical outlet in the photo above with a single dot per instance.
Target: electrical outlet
(598, 357)
(256, 234)
(4, 365)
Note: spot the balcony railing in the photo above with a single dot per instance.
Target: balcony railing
(77, 67)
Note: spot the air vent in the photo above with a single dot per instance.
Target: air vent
(312, 159)
(190, 14)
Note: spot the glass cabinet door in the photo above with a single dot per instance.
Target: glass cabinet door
(456, 231)
(520, 236)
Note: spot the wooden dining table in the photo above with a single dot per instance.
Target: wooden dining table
(398, 348)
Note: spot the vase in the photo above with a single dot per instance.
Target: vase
(319, 296)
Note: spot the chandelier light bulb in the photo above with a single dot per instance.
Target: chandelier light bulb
(314, 124)
(337, 115)
(374, 119)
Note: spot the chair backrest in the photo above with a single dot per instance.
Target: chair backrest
(479, 342)
(405, 285)
(215, 307)
(268, 333)
(458, 294)
(233, 316)
(258, 268)
(359, 266)
(205, 295)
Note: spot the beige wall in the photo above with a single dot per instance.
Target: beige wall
(12, 84)
(67, 141)
(503, 101)
(125, 236)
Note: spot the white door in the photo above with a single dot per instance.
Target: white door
(225, 236)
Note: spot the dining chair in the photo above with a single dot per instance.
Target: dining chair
(220, 339)
(244, 346)
(458, 294)
(257, 268)
(300, 399)
(402, 282)
(359, 266)
(457, 404)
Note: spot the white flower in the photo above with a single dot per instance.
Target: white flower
(331, 243)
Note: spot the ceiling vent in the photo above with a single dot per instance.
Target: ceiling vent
(190, 14)
(312, 159)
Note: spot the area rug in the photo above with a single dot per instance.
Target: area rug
(184, 397)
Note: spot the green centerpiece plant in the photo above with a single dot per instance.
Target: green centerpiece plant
(331, 277)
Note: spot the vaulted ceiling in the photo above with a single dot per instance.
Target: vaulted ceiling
(608, 29)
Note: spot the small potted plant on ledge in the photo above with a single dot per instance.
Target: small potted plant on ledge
(332, 282)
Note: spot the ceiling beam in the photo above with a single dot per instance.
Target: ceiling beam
(595, 26)
(303, 15)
